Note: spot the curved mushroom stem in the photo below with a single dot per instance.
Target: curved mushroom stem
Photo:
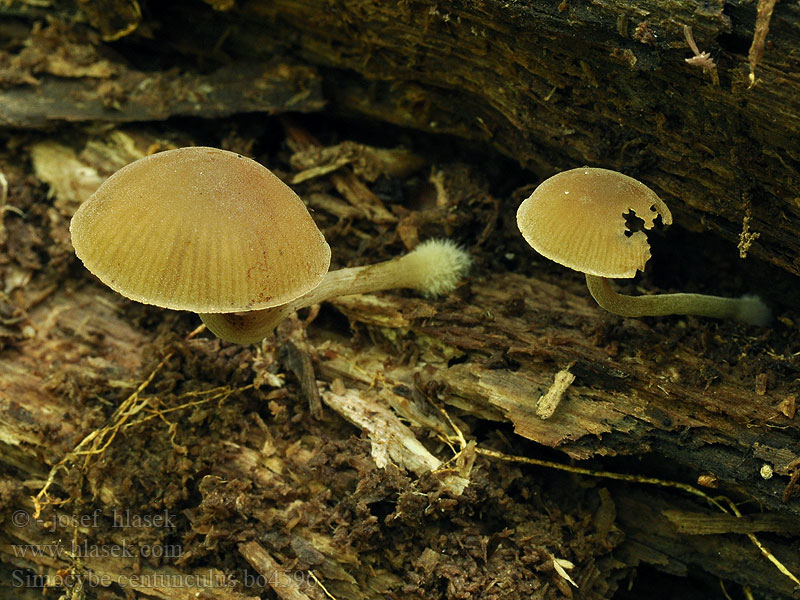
(433, 268)
(747, 309)
(245, 327)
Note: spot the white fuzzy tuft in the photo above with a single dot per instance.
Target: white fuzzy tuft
(437, 266)
(753, 311)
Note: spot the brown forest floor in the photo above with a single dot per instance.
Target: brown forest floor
(222, 443)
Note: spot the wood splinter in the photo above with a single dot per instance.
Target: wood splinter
(547, 404)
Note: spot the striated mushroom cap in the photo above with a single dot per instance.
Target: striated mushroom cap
(577, 219)
(200, 229)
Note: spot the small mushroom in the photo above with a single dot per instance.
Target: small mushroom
(213, 232)
(579, 219)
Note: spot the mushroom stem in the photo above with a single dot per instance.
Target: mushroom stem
(747, 309)
(433, 268)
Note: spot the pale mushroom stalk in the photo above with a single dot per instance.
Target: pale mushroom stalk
(433, 268)
(747, 309)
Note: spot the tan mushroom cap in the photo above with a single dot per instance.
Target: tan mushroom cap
(200, 229)
(575, 218)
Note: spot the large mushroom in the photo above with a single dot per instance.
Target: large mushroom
(213, 232)
(578, 218)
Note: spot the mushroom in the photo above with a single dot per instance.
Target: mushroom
(579, 219)
(213, 232)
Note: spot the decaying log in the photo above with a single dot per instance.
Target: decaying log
(93, 341)
(138, 96)
(654, 537)
(568, 84)
(552, 86)
(713, 401)
(62, 75)
(423, 380)
(628, 398)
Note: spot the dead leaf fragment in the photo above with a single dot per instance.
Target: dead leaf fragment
(561, 565)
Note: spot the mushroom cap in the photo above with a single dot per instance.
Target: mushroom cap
(200, 229)
(577, 219)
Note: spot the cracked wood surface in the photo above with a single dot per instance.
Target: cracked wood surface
(553, 86)
(632, 394)
(562, 85)
(631, 399)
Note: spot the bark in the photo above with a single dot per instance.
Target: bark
(564, 85)
(629, 396)
(140, 96)
(552, 86)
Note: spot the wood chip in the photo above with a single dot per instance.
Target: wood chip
(273, 573)
(548, 403)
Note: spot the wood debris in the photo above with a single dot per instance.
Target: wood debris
(548, 403)
(763, 17)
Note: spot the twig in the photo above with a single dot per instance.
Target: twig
(763, 17)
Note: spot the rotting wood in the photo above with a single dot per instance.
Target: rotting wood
(637, 396)
(26, 449)
(347, 183)
(631, 394)
(553, 86)
(42, 559)
(138, 96)
(638, 400)
(763, 16)
(296, 358)
(244, 463)
(653, 538)
(239, 468)
(713, 400)
(276, 576)
(602, 84)
(549, 401)
(62, 75)
(695, 523)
